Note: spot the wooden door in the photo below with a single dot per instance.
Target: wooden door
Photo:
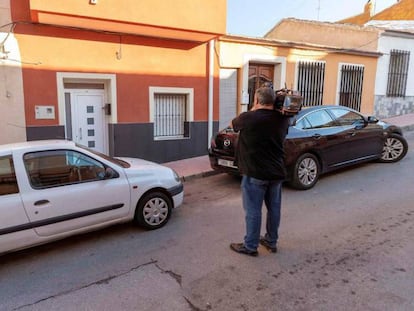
(258, 75)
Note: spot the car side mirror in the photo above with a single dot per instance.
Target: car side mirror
(108, 173)
(372, 119)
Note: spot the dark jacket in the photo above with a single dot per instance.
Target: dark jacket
(260, 150)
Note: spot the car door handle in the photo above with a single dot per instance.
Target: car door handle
(352, 134)
(41, 202)
(316, 136)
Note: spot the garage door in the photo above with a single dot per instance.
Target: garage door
(228, 96)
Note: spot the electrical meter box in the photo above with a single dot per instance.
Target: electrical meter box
(44, 112)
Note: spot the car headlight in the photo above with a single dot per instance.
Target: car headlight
(176, 176)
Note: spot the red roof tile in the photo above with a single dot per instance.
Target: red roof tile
(402, 10)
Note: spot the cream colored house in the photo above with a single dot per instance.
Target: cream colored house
(391, 90)
(322, 73)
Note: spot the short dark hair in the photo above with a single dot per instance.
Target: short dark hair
(265, 96)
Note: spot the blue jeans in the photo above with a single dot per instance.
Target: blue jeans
(254, 193)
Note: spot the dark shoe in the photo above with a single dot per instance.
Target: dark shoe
(266, 244)
(241, 249)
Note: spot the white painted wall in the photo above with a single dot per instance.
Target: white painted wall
(12, 117)
(385, 45)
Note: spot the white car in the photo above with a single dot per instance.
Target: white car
(53, 189)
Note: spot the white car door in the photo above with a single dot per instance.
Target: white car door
(15, 230)
(66, 190)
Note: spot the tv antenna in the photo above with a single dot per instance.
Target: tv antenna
(319, 8)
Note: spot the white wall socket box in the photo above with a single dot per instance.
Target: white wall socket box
(44, 112)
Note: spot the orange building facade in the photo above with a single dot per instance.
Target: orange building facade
(122, 77)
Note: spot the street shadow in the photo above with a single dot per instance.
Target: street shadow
(70, 243)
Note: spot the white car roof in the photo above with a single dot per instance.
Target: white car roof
(38, 144)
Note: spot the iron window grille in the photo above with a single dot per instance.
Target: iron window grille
(398, 73)
(170, 119)
(350, 90)
(311, 77)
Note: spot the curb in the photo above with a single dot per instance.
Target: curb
(408, 128)
(199, 175)
(186, 178)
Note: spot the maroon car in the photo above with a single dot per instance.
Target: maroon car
(322, 139)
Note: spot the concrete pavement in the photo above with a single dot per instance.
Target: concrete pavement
(200, 166)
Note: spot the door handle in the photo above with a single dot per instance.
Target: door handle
(352, 134)
(316, 136)
(80, 133)
(41, 202)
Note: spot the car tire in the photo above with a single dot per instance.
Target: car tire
(153, 210)
(305, 172)
(395, 148)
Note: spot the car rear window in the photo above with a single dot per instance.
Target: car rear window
(8, 182)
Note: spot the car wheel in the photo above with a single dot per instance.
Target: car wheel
(395, 148)
(153, 210)
(306, 172)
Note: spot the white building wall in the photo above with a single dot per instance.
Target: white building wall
(12, 115)
(391, 106)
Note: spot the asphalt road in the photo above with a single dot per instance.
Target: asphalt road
(346, 244)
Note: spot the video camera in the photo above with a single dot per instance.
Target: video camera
(288, 102)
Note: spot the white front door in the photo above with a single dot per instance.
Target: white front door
(88, 119)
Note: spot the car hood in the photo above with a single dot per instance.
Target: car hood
(384, 124)
(143, 167)
(390, 127)
(138, 163)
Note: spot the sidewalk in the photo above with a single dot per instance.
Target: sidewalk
(200, 166)
(406, 121)
(192, 167)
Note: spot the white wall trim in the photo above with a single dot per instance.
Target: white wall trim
(265, 59)
(109, 81)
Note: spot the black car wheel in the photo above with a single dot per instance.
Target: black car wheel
(153, 210)
(395, 148)
(306, 172)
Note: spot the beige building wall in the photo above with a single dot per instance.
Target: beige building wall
(236, 53)
(348, 37)
(350, 44)
(12, 120)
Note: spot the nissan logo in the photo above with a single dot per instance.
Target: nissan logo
(226, 142)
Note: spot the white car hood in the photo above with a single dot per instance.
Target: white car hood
(138, 163)
(143, 167)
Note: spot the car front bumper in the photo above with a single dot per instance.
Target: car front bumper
(177, 194)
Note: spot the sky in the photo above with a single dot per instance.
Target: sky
(254, 18)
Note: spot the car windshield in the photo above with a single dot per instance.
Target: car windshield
(116, 161)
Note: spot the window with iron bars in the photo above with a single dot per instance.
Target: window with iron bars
(170, 119)
(398, 73)
(311, 77)
(350, 89)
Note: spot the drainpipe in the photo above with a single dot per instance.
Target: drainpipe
(210, 92)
